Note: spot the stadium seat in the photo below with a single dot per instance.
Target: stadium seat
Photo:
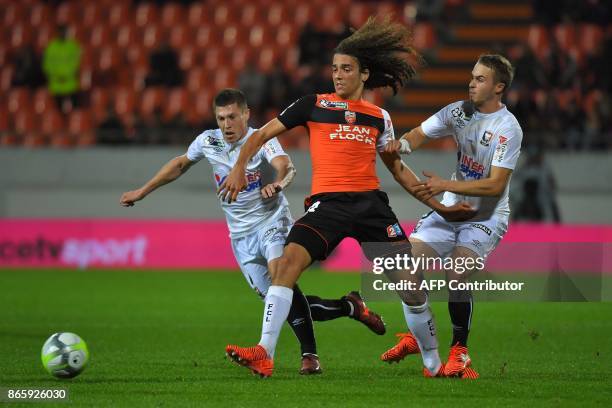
(286, 35)
(4, 120)
(19, 99)
(14, 14)
(40, 13)
(241, 56)
(216, 57)
(277, 14)
(233, 35)
(146, 14)
(152, 37)
(26, 121)
(330, 17)
(127, 35)
(178, 103)
(80, 126)
(538, 40)
(6, 76)
(44, 33)
(152, 99)
(302, 14)
(125, 101)
(42, 101)
(188, 58)
(250, 15)
(590, 37)
(268, 56)
(67, 13)
(92, 14)
(3, 54)
(99, 36)
(565, 35)
(21, 35)
(99, 100)
(197, 79)
(206, 36)
(198, 15)
(359, 13)
(172, 15)
(424, 36)
(224, 77)
(202, 106)
(223, 16)
(259, 36)
(180, 36)
(291, 59)
(52, 123)
(119, 14)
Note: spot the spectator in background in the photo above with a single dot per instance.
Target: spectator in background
(528, 68)
(560, 69)
(537, 201)
(164, 68)
(279, 90)
(310, 43)
(28, 70)
(61, 64)
(253, 83)
(111, 130)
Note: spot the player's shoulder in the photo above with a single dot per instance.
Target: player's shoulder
(510, 122)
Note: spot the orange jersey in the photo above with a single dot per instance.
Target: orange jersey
(344, 138)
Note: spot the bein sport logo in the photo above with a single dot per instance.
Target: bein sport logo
(79, 252)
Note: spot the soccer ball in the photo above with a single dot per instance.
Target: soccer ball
(64, 355)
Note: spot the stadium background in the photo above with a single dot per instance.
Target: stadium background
(147, 72)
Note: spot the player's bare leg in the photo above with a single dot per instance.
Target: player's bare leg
(278, 300)
(460, 308)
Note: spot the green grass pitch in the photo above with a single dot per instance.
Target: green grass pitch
(158, 338)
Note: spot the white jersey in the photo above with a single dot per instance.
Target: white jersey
(483, 140)
(250, 210)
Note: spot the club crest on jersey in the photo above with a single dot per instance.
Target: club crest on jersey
(350, 117)
(217, 144)
(486, 137)
(394, 231)
(333, 104)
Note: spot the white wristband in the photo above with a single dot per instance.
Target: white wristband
(405, 146)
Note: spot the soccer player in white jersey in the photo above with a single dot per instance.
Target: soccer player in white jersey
(259, 220)
(488, 138)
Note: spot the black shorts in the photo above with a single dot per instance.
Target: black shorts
(331, 217)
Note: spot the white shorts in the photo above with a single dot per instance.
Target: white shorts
(481, 237)
(254, 251)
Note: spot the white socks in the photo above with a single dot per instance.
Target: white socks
(421, 323)
(276, 310)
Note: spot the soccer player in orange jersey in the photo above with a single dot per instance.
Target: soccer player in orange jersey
(345, 132)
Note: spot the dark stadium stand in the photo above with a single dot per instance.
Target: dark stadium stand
(213, 41)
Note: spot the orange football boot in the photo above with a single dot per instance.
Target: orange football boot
(254, 358)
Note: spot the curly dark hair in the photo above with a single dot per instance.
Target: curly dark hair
(385, 49)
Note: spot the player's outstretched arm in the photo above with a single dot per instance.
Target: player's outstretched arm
(285, 172)
(168, 173)
(492, 186)
(409, 142)
(236, 181)
(410, 182)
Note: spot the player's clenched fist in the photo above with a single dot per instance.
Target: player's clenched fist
(129, 198)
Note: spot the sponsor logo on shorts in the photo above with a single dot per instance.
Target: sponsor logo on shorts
(350, 117)
(394, 231)
(333, 104)
(482, 227)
